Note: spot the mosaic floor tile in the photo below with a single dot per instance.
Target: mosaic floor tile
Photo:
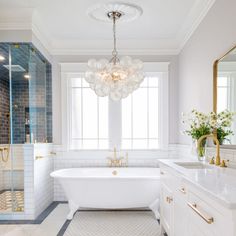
(8, 198)
(114, 223)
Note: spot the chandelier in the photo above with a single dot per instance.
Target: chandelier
(117, 77)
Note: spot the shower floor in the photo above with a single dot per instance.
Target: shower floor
(7, 199)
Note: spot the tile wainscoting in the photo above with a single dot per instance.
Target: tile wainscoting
(38, 186)
(229, 155)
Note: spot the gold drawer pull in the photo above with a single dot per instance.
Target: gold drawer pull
(182, 190)
(209, 220)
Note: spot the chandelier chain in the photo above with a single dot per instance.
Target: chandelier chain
(114, 52)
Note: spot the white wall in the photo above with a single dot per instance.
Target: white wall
(173, 91)
(215, 35)
(43, 183)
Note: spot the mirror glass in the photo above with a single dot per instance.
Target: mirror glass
(225, 91)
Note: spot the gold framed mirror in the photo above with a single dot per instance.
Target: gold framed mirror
(224, 89)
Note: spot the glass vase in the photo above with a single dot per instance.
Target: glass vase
(200, 151)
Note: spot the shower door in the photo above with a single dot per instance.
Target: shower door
(14, 98)
(19, 101)
(5, 166)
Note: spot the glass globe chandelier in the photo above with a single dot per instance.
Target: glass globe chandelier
(116, 78)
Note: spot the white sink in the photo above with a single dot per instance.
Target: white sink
(193, 165)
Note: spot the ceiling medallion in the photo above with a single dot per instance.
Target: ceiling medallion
(130, 11)
(116, 78)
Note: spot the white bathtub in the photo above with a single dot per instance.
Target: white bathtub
(110, 188)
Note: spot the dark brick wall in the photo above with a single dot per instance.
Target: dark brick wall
(4, 110)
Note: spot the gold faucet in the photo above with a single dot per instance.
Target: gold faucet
(217, 161)
(116, 161)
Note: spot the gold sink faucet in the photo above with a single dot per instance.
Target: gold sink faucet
(217, 161)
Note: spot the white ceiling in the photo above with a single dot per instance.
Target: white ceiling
(163, 28)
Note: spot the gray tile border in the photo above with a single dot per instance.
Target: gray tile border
(39, 219)
(64, 228)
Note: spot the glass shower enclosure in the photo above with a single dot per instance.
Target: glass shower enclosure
(25, 115)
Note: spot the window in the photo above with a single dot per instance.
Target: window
(223, 92)
(139, 121)
(88, 117)
(140, 112)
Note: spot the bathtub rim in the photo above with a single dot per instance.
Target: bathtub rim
(55, 175)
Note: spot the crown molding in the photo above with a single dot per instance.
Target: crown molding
(90, 47)
(24, 19)
(95, 52)
(187, 35)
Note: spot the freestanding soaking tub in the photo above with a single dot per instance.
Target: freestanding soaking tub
(110, 188)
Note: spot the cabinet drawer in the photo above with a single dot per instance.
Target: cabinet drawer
(207, 218)
(169, 178)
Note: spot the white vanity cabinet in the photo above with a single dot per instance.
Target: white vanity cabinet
(188, 211)
(166, 208)
(180, 213)
(173, 203)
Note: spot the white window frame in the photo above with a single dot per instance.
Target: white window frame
(69, 70)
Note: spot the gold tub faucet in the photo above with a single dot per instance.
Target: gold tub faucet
(212, 136)
(116, 161)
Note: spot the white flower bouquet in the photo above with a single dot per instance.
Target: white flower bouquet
(200, 124)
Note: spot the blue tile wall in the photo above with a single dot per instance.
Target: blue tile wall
(33, 96)
(49, 102)
(20, 100)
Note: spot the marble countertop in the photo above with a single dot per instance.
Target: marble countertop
(217, 182)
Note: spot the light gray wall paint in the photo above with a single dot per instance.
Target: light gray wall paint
(173, 91)
(215, 35)
(15, 36)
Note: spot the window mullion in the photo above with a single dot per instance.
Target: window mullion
(98, 135)
(132, 128)
(115, 128)
(82, 136)
(148, 113)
